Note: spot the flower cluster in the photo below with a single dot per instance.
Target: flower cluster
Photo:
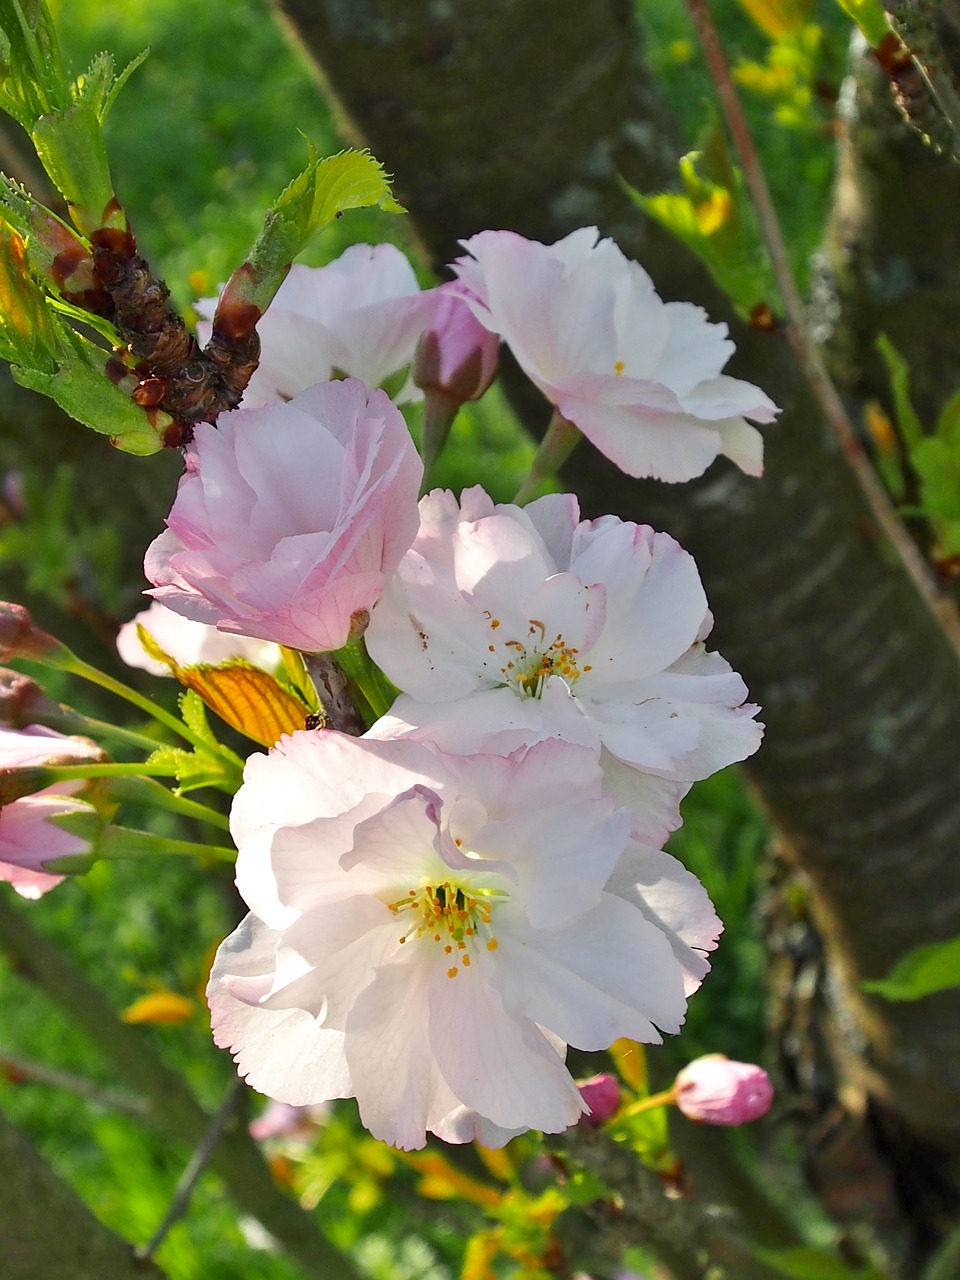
(440, 907)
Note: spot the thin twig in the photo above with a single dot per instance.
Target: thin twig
(195, 1167)
(804, 348)
(20, 1069)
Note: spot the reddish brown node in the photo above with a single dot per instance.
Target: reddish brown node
(111, 240)
(149, 392)
(763, 318)
(236, 320)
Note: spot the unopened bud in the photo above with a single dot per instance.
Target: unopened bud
(22, 701)
(19, 638)
(456, 355)
(716, 1090)
(602, 1095)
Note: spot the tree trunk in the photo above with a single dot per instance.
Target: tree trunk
(45, 1231)
(516, 114)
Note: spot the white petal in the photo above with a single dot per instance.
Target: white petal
(284, 1054)
(673, 899)
(394, 1072)
(498, 1065)
(606, 975)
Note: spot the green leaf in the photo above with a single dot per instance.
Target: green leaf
(813, 1264)
(930, 968)
(870, 16)
(325, 189)
(584, 1187)
(32, 79)
(80, 387)
(70, 146)
(714, 218)
(899, 373)
(195, 718)
(192, 769)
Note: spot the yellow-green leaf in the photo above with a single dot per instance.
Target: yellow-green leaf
(247, 698)
(777, 18)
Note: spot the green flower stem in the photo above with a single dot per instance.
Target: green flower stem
(145, 791)
(665, 1099)
(68, 772)
(439, 412)
(102, 729)
(362, 672)
(117, 843)
(173, 1110)
(555, 448)
(77, 667)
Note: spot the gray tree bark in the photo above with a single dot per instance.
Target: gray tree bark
(515, 114)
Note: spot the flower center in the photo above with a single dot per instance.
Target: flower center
(456, 917)
(532, 661)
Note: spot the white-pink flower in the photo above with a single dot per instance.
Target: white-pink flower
(428, 933)
(360, 317)
(189, 643)
(640, 377)
(290, 518)
(28, 839)
(505, 625)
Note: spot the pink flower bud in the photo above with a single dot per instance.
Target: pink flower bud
(602, 1095)
(19, 638)
(456, 355)
(28, 837)
(716, 1090)
(283, 1120)
(21, 699)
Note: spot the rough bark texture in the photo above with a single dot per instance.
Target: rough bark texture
(45, 1231)
(518, 114)
(891, 256)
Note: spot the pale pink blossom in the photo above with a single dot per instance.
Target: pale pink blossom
(716, 1090)
(290, 518)
(28, 839)
(280, 1120)
(506, 625)
(456, 355)
(189, 643)
(360, 317)
(428, 933)
(640, 377)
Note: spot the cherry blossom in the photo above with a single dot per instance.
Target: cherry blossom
(640, 377)
(290, 518)
(188, 643)
(28, 838)
(359, 316)
(429, 932)
(505, 625)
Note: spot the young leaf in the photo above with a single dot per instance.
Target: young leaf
(899, 373)
(930, 968)
(325, 189)
(714, 219)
